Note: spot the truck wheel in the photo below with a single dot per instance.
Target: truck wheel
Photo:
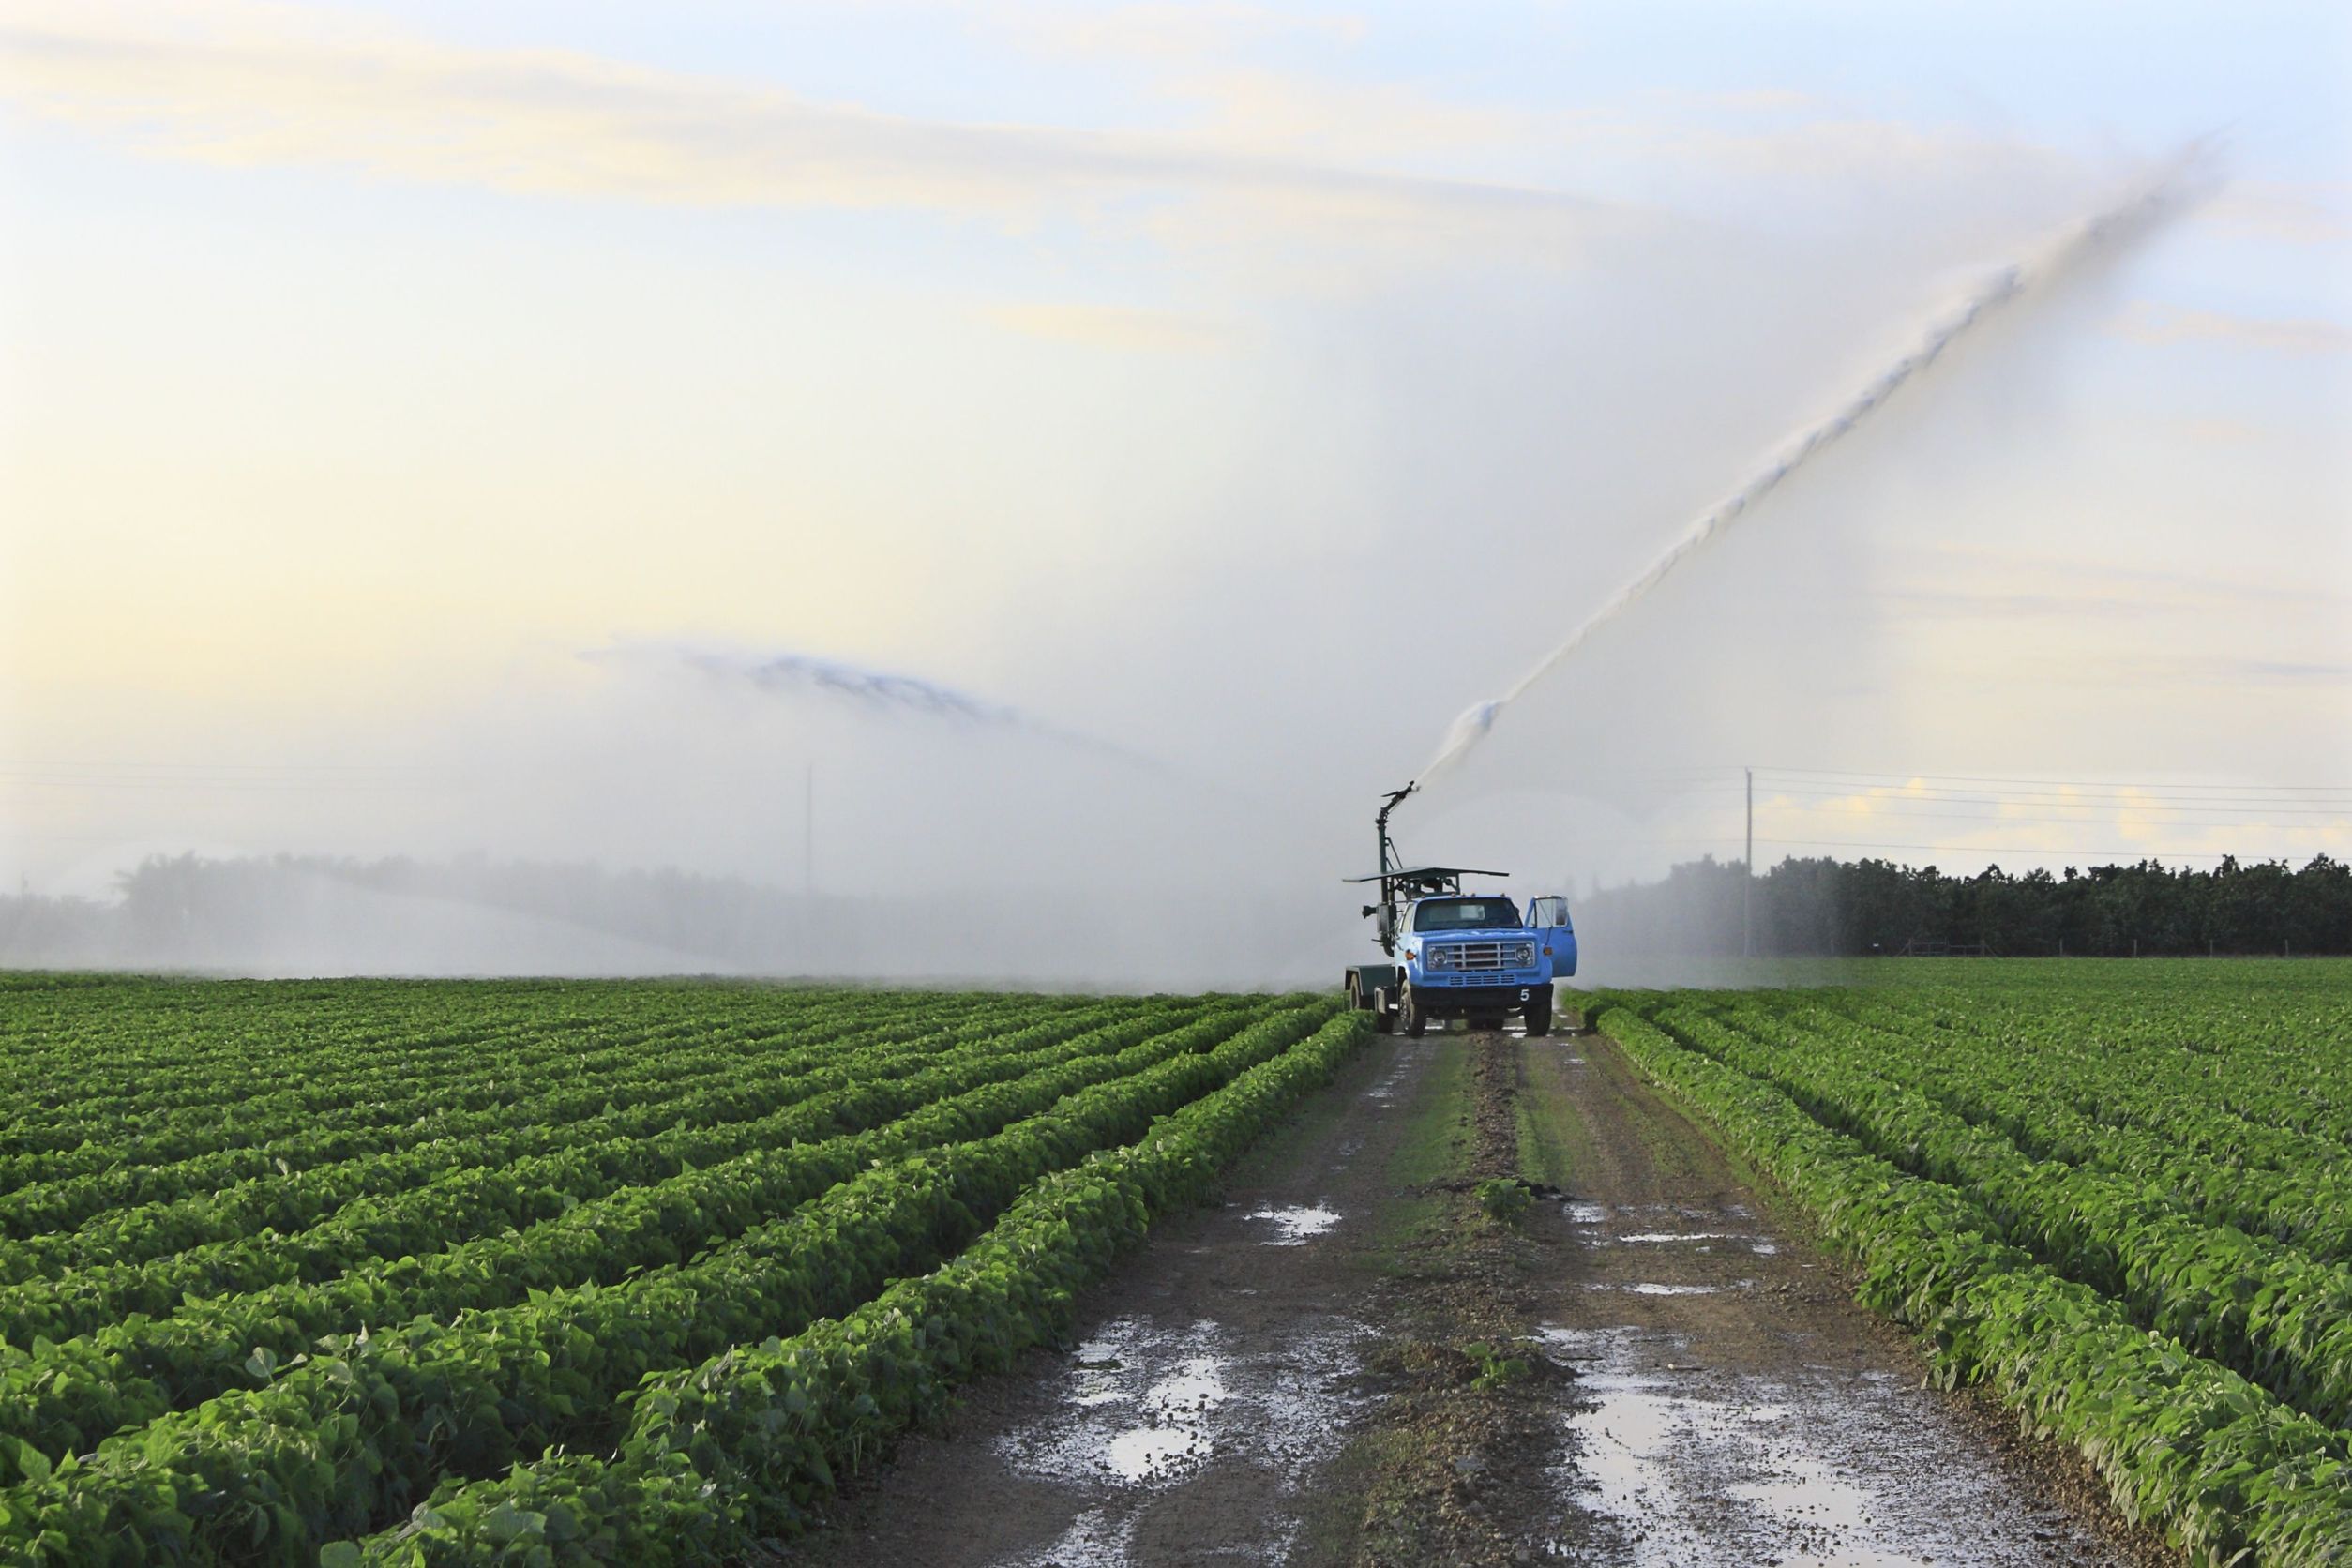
(1539, 1018)
(1416, 1021)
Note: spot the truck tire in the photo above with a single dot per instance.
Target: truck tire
(1539, 1018)
(1416, 1021)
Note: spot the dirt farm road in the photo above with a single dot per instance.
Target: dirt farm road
(1350, 1361)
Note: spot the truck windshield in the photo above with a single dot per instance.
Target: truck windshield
(1465, 915)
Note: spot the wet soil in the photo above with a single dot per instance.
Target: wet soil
(1217, 1374)
(1734, 1406)
(1374, 1353)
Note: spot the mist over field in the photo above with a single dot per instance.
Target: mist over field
(1033, 560)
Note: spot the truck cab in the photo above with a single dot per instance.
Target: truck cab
(1457, 954)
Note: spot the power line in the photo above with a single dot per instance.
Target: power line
(2076, 783)
(2337, 823)
(264, 785)
(2149, 799)
(2052, 802)
(86, 765)
(2133, 855)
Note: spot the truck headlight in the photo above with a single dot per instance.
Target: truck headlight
(1522, 955)
(1438, 957)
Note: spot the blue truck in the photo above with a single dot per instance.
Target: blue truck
(1457, 954)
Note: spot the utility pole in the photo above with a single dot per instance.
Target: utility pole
(1747, 883)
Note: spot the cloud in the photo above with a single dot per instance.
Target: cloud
(2144, 322)
(1124, 328)
(1313, 119)
(2286, 212)
(1158, 32)
(2223, 432)
(1964, 605)
(1259, 155)
(242, 84)
(1959, 574)
(2290, 671)
(1960, 818)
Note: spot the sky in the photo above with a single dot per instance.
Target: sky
(420, 423)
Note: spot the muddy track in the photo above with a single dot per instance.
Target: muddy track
(1733, 1405)
(1356, 1360)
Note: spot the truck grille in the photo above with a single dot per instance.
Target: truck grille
(1477, 955)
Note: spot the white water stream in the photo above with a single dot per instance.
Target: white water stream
(2119, 226)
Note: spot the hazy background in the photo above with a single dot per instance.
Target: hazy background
(424, 428)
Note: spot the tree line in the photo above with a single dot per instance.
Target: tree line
(1808, 907)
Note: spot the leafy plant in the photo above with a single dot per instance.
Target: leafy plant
(1503, 1197)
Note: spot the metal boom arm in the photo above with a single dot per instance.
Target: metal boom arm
(1401, 883)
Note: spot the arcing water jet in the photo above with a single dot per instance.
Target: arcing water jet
(2105, 234)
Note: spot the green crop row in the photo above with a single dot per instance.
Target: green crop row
(742, 1447)
(229, 1051)
(2261, 1309)
(386, 1107)
(2200, 1086)
(374, 1059)
(2225, 1469)
(2241, 1035)
(351, 1435)
(65, 1397)
(852, 1093)
(532, 1089)
(2220, 1174)
(291, 1200)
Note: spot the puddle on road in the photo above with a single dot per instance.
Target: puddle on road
(1143, 1404)
(1648, 1289)
(1093, 1540)
(1146, 1407)
(1592, 1216)
(1151, 1452)
(1699, 1468)
(1385, 1091)
(1298, 1224)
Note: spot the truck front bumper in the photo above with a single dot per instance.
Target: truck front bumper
(1443, 1000)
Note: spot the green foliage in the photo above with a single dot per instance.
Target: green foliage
(1503, 1197)
(1496, 1367)
(2033, 1172)
(427, 1299)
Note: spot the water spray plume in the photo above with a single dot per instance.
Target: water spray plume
(2119, 226)
(877, 693)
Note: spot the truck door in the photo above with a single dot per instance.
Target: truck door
(1555, 936)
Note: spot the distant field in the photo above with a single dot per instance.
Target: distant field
(2119, 1192)
(294, 1267)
